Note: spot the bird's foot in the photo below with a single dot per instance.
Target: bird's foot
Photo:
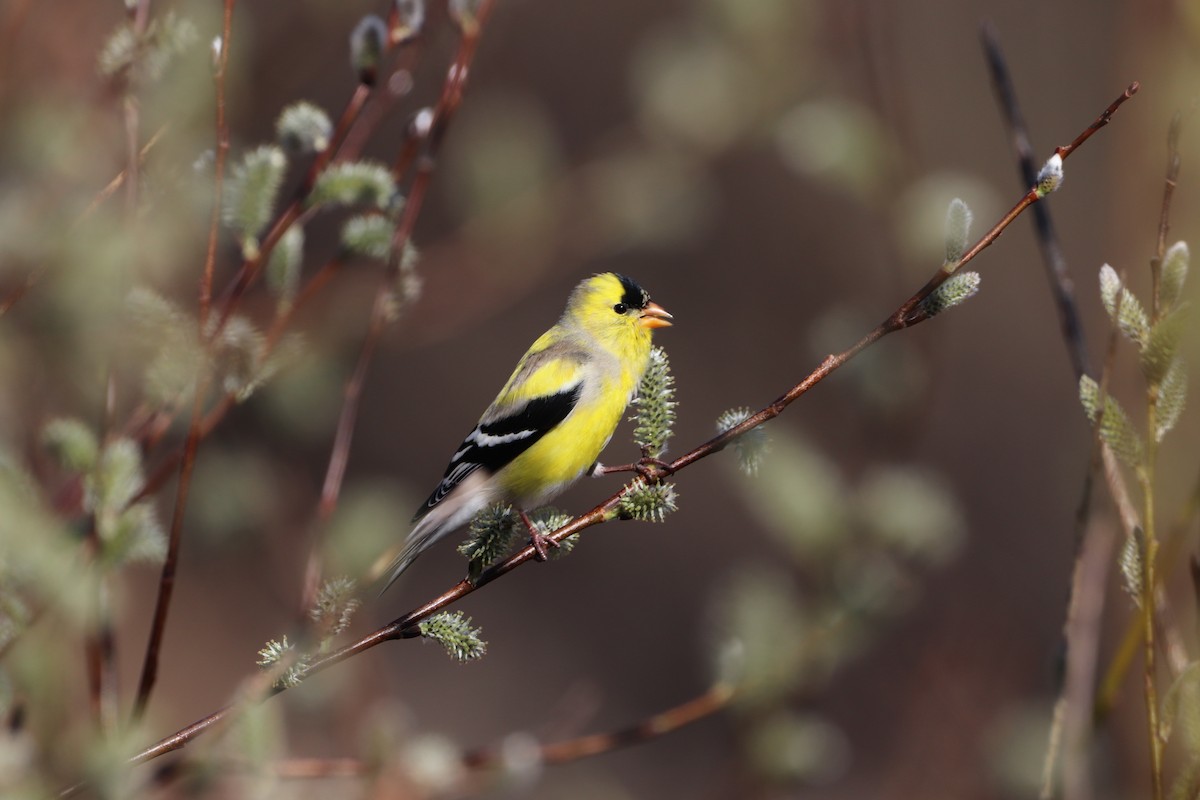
(649, 468)
(540, 541)
(652, 469)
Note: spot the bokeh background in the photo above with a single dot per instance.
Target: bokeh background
(776, 174)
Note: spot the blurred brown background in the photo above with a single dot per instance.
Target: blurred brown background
(776, 174)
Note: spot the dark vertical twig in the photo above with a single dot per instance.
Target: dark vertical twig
(220, 158)
(1061, 286)
(166, 584)
(100, 645)
(1077, 785)
(1079, 640)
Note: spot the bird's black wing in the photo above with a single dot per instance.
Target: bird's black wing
(494, 444)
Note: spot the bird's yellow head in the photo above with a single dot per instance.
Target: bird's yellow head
(615, 310)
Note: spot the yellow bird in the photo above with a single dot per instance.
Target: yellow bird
(555, 414)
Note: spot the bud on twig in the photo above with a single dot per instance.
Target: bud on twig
(1050, 177)
(407, 18)
(368, 42)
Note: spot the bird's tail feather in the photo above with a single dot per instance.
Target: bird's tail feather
(426, 532)
(456, 510)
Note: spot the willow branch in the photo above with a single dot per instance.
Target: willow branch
(695, 709)
(1164, 219)
(708, 703)
(219, 161)
(15, 294)
(166, 583)
(1135, 631)
(1085, 599)
(425, 136)
(341, 147)
(1053, 259)
(405, 627)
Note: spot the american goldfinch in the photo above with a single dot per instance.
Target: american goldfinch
(551, 420)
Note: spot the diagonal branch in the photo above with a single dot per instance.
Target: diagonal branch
(405, 627)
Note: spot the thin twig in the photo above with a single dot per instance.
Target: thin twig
(339, 149)
(428, 142)
(14, 295)
(100, 647)
(710, 702)
(252, 267)
(139, 19)
(398, 85)
(100, 643)
(1121, 662)
(219, 161)
(339, 457)
(1083, 632)
(1053, 259)
(1150, 589)
(697, 708)
(168, 465)
(1084, 602)
(1164, 219)
(166, 584)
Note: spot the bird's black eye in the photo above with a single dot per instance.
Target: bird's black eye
(620, 308)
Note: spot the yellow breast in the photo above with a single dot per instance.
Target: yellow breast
(561, 458)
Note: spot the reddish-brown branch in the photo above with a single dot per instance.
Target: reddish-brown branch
(158, 423)
(14, 295)
(417, 140)
(356, 137)
(219, 160)
(252, 267)
(166, 585)
(341, 148)
(339, 455)
(1102, 120)
(693, 710)
(405, 626)
(100, 647)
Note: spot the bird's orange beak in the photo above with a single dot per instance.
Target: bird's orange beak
(654, 316)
